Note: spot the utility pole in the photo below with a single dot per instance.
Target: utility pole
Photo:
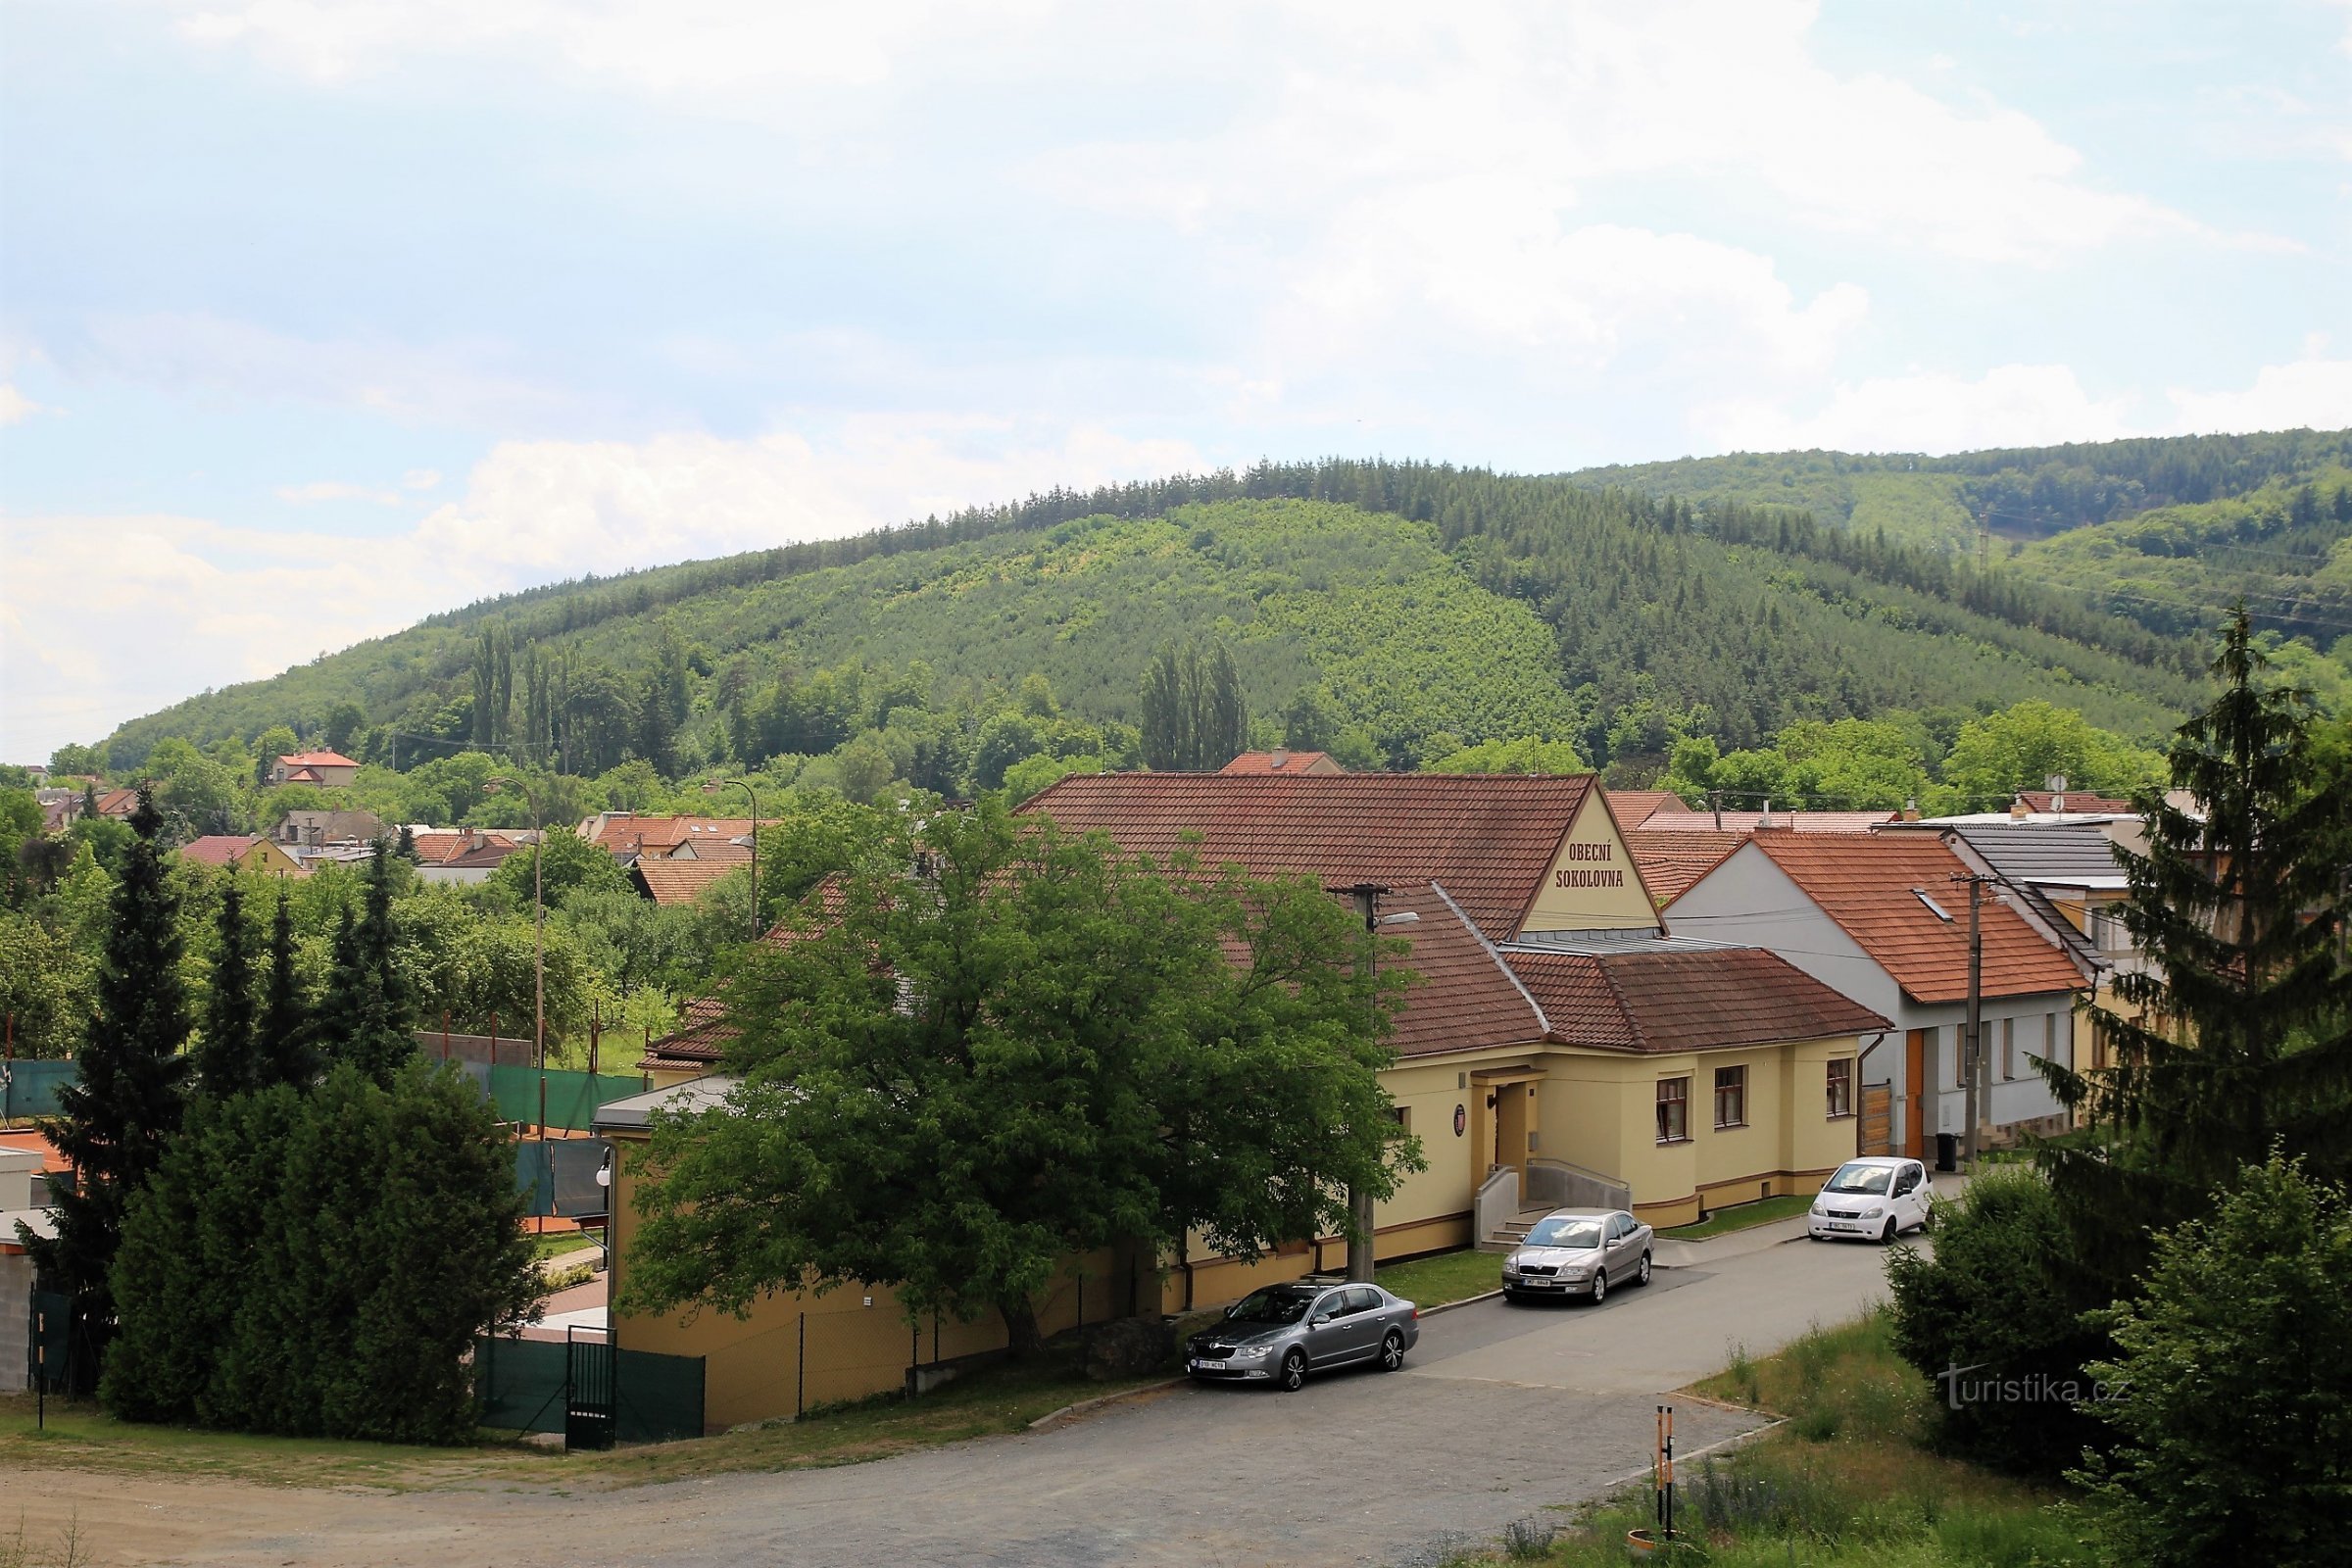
(1359, 1202)
(1972, 1057)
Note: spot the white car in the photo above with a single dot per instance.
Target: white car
(1876, 1199)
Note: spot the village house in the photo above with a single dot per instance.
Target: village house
(461, 857)
(1559, 1045)
(325, 769)
(1884, 919)
(629, 837)
(311, 829)
(242, 851)
(1282, 759)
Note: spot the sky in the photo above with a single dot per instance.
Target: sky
(318, 317)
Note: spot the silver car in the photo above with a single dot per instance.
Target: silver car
(1578, 1252)
(1280, 1334)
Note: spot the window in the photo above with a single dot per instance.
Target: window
(2062, 1039)
(1403, 1117)
(2008, 1049)
(1841, 1087)
(1731, 1096)
(1673, 1110)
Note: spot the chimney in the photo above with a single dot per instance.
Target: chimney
(2018, 810)
(1277, 757)
(1911, 809)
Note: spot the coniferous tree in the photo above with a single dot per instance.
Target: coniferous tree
(406, 849)
(2237, 1034)
(226, 1058)
(367, 1018)
(283, 1035)
(116, 1119)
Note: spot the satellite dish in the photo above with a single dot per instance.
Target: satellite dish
(2055, 783)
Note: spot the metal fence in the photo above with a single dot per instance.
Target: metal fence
(529, 1386)
(29, 1088)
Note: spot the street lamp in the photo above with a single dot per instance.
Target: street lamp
(712, 786)
(538, 931)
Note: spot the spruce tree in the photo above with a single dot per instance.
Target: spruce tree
(367, 1018)
(226, 1061)
(2237, 1033)
(283, 1042)
(125, 1104)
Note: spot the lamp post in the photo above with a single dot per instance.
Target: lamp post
(712, 786)
(1366, 898)
(538, 932)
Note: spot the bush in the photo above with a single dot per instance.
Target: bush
(319, 1263)
(1991, 1304)
(2235, 1367)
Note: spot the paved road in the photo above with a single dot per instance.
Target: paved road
(1501, 1412)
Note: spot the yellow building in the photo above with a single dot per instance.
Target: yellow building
(242, 851)
(1557, 1048)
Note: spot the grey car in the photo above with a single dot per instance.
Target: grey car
(1280, 1334)
(1578, 1252)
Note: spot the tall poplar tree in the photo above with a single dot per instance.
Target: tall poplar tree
(369, 1015)
(125, 1102)
(2237, 1035)
(226, 1060)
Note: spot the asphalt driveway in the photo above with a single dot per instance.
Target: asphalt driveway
(1501, 1412)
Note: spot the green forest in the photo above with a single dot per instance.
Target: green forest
(1405, 605)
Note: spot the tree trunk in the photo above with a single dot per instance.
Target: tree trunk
(1022, 1340)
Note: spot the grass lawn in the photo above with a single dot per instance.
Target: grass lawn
(556, 1244)
(1000, 1399)
(1847, 1481)
(1763, 1211)
(1445, 1277)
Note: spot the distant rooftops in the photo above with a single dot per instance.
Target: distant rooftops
(1281, 759)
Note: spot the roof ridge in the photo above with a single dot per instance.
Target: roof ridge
(1543, 1019)
(1633, 1022)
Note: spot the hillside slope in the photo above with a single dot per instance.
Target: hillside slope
(1413, 599)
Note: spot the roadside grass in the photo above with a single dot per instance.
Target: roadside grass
(64, 1548)
(1763, 1211)
(1847, 1481)
(991, 1399)
(556, 1244)
(1442, 1277)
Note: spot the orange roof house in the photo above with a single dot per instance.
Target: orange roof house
(242, 851)
(1884, 918)
(328, 769)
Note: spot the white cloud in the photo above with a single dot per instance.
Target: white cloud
(421, 479)
(2010, 405)
(303, 494)
(15, 406)
(110, 617)
(2309, 392)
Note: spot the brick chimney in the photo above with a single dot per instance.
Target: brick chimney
(1277, 757)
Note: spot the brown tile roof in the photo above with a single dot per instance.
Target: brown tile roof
(118, 803)
(2075, 801)
(1632, 808)
(1464, 998)
(1292, 762)
(1704, 1000)
(657, 836)
(1798, 821)
(438, 848)
(1489, 839)
(1864, 882)
(493, 855)
(1670, 862)
(667, 881)
(218, 849)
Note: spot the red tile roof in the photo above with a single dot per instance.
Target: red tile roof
(316, 760)
(1292, 762)
(1632, 808)
(657, 836)
(1489, 839)
(218, 849)
(1670, 862)
(1749, 821)
(440, 847)
(118, 803)
(1865, 883)
(1464, 998)
(1686, 1000)
(669, 881)
(2075, 801)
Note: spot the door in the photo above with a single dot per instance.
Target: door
(587, 1390)
(1327, 1329)
(1916, 1089)
(1510, 1126)
(1623, 1253)
(1910, 1206)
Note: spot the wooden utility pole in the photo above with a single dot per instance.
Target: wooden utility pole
(1971, 1058)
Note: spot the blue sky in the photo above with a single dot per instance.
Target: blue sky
(317, 317)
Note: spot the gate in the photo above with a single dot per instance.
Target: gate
(588, 1403)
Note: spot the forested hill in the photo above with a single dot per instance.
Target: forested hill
(1405, 600)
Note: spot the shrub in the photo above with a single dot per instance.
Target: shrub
(1992, 1303)
(319, 1265)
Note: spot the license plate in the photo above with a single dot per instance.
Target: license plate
(1843, 1225)
(1539, 1285)
(1208, 1366)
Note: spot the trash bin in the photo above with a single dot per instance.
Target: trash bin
(1947, 1150)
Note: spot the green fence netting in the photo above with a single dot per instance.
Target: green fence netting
(559, 1175)
(520, 1387)
(29, 1088)
(572, 1098)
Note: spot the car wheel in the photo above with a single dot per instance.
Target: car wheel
(1293, 1377)
(1887, 1236)
(1391, 1351)
(1641, 1273)
(1513, 1297)
(1601, 1285)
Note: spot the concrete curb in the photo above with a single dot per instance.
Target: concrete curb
(1494, 1294)
(1102, 1399)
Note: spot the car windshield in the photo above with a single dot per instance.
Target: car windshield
(1860, 1179)
(1280, 1303)
(1565, 1233)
